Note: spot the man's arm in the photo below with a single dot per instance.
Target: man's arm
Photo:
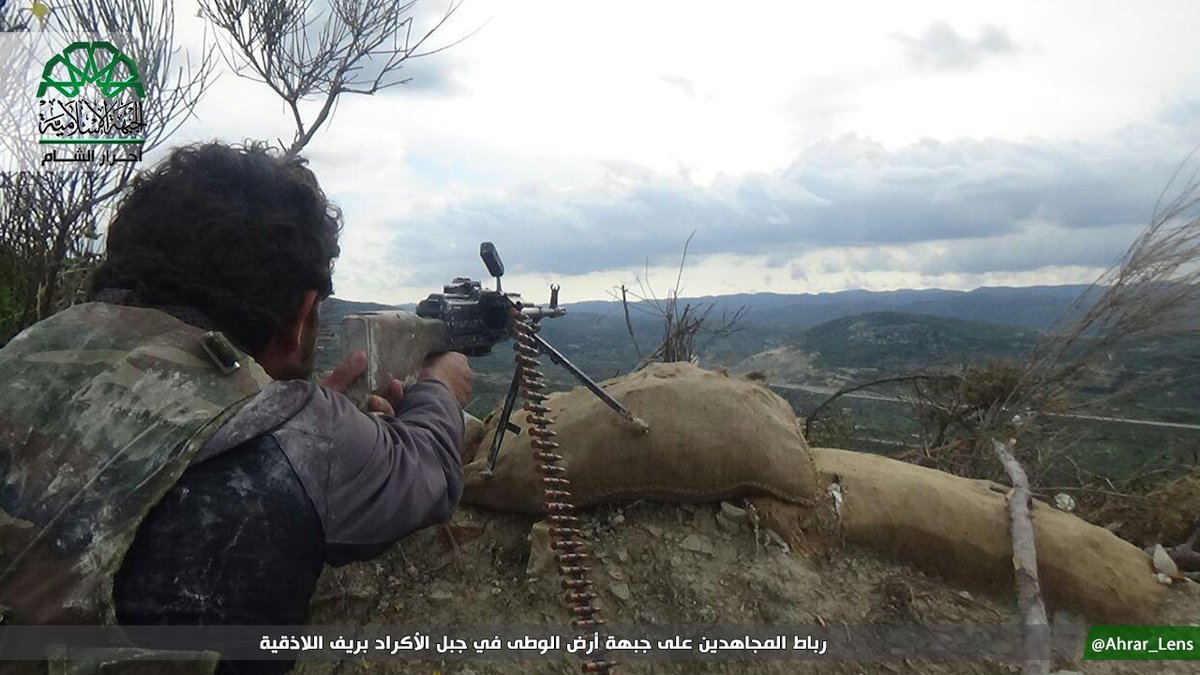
(376, 478)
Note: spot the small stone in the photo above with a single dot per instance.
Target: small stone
(440, 595)
(618, 519)
(621, 590)
(541, 556)
(726, 524)
(690, 508)
(965, 595)
(836, 494)
(1163, 579)
(1062, 618)
(622, 555)
(734, 513)
(697, 544)
(676, 561)
(1163, 563)
(774, 538)
(655, 531)
(615, 573)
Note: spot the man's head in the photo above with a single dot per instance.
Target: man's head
(240, 233)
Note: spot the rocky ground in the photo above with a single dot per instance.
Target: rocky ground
(665, 564)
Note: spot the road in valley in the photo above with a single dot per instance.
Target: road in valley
(830, 391)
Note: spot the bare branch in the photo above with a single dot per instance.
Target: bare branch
(51, 221)
(628, 322)
(681, 322)
(920, 377)
(1025, 566)
(303, 53)
(682, 261)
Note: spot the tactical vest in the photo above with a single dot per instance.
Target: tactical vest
(102, 408)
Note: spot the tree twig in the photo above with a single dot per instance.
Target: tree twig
(1025, 569)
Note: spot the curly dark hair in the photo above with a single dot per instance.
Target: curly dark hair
(239, 233)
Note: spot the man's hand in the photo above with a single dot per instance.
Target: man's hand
(349, 370)
(450, 369)
(346, 373)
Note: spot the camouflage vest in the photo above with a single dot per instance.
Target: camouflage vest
(101, 409)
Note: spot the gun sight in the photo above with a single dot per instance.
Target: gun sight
(491, 259)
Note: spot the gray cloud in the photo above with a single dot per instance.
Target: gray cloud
(940, 47)
(844, 192)
(434, 74)
(1027, 248)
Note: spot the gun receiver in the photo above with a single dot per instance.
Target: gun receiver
(464, 317)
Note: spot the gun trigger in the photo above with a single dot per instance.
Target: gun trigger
(513, 428)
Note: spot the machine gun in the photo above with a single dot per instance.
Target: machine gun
(468, 318)
(465, 317)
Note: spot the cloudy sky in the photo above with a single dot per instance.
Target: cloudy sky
(811, 146)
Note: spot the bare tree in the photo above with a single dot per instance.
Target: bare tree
(50, 220)
(304, 51)
(1036, 647)
(1151, 294)
(681, 325)
(939, 380)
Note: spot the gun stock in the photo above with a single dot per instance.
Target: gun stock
(395, 342)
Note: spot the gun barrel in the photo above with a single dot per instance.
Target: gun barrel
(536, 312)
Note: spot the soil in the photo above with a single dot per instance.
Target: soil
(665, 564)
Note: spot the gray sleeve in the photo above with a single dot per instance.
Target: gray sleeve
(374, 478)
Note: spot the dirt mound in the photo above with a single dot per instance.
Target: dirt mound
(711, 437)
(654, 564)
(712, 562)
(662, 564)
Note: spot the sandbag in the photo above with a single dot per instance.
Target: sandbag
(959, 527)
(711, 437)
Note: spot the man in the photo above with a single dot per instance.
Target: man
(163, 458)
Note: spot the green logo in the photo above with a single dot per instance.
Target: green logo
(98, 63)
(1143, 643)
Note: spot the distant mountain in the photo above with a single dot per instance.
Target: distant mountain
(594, 333)
(333, 310)
(1027, 307)
(903, 341)
(831, 339)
